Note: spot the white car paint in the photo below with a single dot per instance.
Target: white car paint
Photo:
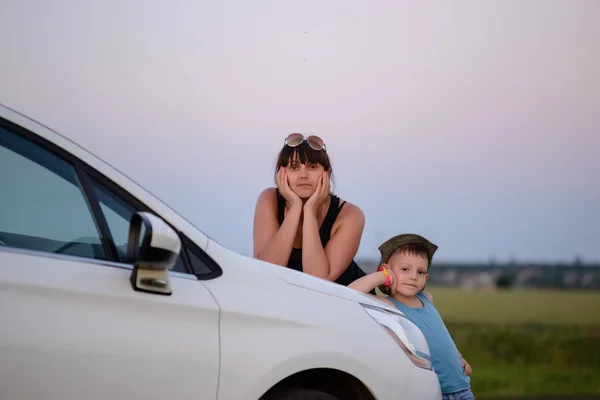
(162, 236)
(72, 327)
(76, 330)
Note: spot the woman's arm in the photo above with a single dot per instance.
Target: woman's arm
(273, 243)
(330, 262)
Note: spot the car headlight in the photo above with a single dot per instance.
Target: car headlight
(408, 336)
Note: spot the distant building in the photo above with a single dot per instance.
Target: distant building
(576, 275)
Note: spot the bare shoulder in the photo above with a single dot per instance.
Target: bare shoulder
(429, 296)
(265, 224)
(268, 196)
(266, 207)
(351, 212)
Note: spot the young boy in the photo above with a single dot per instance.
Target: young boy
(403, 273)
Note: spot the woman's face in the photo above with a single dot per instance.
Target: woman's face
(303, 178)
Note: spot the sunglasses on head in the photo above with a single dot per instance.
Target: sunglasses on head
(295, 139)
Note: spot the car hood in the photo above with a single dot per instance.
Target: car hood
(245, 271)
(310, 282)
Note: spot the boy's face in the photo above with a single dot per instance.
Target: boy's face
(411, 273)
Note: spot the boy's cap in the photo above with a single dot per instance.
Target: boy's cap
(391, 245)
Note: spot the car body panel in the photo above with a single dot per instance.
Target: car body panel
(271, 333)
(74, 328)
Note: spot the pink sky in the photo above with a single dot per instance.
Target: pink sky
(476, 124)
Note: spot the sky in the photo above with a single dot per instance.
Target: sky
(475, 124)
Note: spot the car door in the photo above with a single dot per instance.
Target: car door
(71, 326)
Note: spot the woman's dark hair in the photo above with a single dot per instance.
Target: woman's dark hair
(305, 154)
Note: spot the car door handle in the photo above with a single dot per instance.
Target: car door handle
(159, 283)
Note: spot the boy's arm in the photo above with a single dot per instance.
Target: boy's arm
(368, 282)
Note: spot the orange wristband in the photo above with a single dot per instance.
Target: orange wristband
(388, 278)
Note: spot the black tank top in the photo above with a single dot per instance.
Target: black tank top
(353, 271)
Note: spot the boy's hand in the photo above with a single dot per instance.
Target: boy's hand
(466, 367)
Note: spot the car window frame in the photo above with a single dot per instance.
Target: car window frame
(86, 174)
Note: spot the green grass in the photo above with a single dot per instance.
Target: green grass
(511, 306)
(510, 381)
(530, 359)
(526, 343)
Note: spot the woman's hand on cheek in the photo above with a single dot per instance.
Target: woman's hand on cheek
(285, 190)
(318, 198)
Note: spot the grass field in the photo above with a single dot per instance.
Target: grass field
(523, 306)
(526, 343)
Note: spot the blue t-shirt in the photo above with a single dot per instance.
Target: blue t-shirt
(444, 354)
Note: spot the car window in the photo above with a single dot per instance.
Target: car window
(199, 260)
(42, 205)
(117, 213)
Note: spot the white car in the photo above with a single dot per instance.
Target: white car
(107, 293)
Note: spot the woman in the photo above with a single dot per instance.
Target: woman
(301, 224)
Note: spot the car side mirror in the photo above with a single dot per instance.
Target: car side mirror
(153, 247)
